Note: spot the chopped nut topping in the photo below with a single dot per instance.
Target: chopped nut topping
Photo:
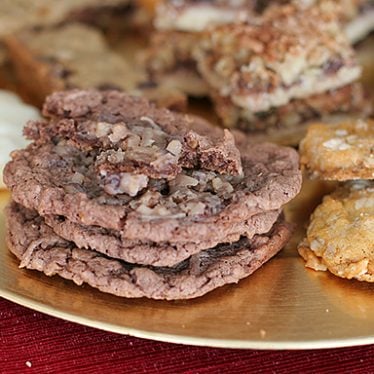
(119, 132)
(188, 195)
(221, 187)
(175, 147)
(194, 208)
(183, 180)
(158, 211)
(125, 183)
(149, 120)
(61, 149)
(115, 157)
(163, 161)
(193, 143)
(77, 178)
(147, 139)
(103, 129)
(217, 184)
(133, 141)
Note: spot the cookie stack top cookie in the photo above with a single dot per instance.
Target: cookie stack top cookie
(100, 151)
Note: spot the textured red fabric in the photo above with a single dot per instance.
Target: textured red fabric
(32, 342)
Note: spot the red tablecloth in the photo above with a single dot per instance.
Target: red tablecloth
(32, 342)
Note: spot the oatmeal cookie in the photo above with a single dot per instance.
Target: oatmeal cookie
(340, 237)
(71, 56)
(341, 151)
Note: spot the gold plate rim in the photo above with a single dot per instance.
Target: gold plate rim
(183, 339)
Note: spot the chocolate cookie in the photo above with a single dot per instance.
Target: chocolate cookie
(157, 142)
(113, 244)
(39, 248)
(62, 180)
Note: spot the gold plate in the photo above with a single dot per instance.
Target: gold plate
(281, 306)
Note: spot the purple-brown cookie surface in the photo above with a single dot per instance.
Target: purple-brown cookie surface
(62, 180)
(113, 244)
(39, 248)
(157, 142)
(192, 195)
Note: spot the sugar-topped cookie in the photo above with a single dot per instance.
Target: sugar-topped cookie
(341, 151)
(340, 237)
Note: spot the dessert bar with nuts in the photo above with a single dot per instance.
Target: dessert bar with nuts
(178, 25)
(355, 16)
(169, 59)
(276, 89)
(349, 100)
(291, 54)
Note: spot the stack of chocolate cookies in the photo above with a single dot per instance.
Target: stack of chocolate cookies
(143, 202)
